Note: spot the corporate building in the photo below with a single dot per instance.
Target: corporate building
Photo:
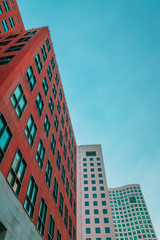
(108, 213)
(94, 218)
(37, 143)
(130, 214)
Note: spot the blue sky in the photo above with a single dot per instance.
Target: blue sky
(108, 54)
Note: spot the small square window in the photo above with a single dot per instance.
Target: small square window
(38, 63)
(45, 86)
(87, 220)
(46, 125)
(30, 78)
(39, 104)
(30, 130)
(96, 220)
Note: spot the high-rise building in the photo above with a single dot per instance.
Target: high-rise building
(94, 218)
(10, 18)
(37, 143)
(130, 214)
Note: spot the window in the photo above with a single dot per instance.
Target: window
(31, 130)
(48, 175)
(51, 228)
(44, 54)
(86, 203)
(12, 36)
(56, 123)
(87, 220)
(48, 45)
(58, 107)
(15, 48)
(11, 22)
(66, 134)
(55, 190)
(60, 94)
(74, 233)
(94, 195)
(40, 154)
(93, 181)
(66, 217)
(90, 154)
(132, 199)
(71, 197)
(99, 169)
(51, 106)
(42, 217)
(31, 197)
(85, 188)
(5, 60)
(97, 230)
(64, 108)
(105, 211)
(104, 203)
(19, 101)
(54, 91)
(101, 188)
(92, 175)
(106, 220)
(88, 230)
(45, 86)
(26, 39)
(70, 227)
(58, 160)
(64, 151)
(87, 212)
(53, 144)
(101, 181)
(4, 43)
(57, 79)
(38, 63)
(1, 10)
(17, 171)
(95, 203)
(107, 230)
(30, 78)
(96, 211)
(39, 104)
(46, 125)
(103, 195)
(62, 121)
(71, 175)
(93, 188)
(96, 220)
(67, 187)
(49, 73)
(61, 199)
(63, 174)
(60, 138)
(5, 4)
(52, 63)
(5, 136)
(30, 33)
(4, 25)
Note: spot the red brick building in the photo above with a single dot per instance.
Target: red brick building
(37, 143)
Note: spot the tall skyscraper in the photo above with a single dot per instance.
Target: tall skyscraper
(130, 214)
(37, 143)
(94, 218)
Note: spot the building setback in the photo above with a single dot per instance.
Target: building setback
(130, 214)
(37, 143)
(94, 218)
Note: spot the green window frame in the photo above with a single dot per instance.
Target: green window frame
(55, 190)
(40, 154)
(31, 197)
(46, 125)
(15, 48)
(57, 79)
(66, 217)
(49, 72)
(61, 200)
(51, 228)
(44, 54)
(17, 171)
(30, 77)
(39, 104)
(56, 122)
(58, 161)
(5, 25)
(11, 22)
(5, 4)
(30, 130)
(53, 144)
(48, 175)
(70, 227)
(42, 217)
(38, 63)
(19, 101)
(63, 174)
(51, 106)
(48, 44)
(52, 63)
(67, 186)
(45, 86)
(58, 236)
(5, 137)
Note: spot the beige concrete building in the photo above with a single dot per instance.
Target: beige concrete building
(94, 218)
